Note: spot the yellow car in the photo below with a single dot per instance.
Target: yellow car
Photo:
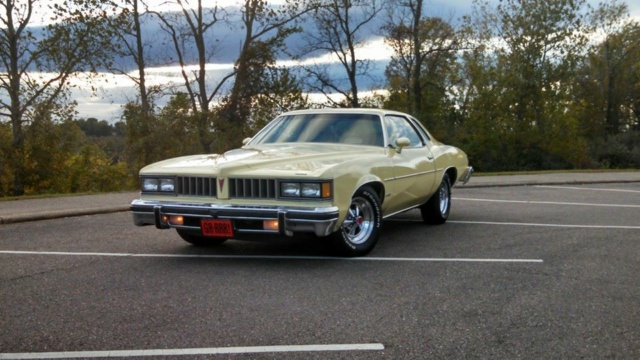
(335, 173)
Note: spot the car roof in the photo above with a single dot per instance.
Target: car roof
(380, 112)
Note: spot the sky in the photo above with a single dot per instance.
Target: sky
(116, 90)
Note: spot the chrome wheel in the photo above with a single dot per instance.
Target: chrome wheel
(445, 198)
(360, 221)
(436, 210)
(360, 229)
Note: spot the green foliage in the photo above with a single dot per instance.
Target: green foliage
(516, 104)
(281, 93)
(620, 151)
(58, 158)
(171, 132)
(93, 127)
(263, 91)
(6, 179)
(608, 85)
(517, 85)
(77, 39)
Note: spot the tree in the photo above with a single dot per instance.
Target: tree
(5, 150)
(38, 63)
(95, 128)
(132, 46)
(256, 75)
(422, 69)
(532, 51)
(264, 27)
(139, 140)
(607, 88)
(60, 159)
(281, 92)
(611, 71)
(171, 132)
(190, 28)
(424, 51)
(339, 29)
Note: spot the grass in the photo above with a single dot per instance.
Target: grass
(475, 174)
(542, 172)
(53, 196)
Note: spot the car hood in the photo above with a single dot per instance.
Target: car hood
(270, 160)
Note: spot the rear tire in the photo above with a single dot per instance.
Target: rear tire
(198, 240)
(436, 210)
(360, 230)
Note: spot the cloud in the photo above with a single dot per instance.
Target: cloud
(116, 90)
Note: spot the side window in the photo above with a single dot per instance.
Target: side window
(397, 127)
(421, 129)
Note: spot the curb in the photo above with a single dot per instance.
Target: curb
(49, 215)
(547, 183)
(62, 214)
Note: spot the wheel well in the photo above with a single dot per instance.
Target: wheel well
(453, 175)
(378, 188)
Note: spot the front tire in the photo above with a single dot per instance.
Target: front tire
(436, 210)
(360, 230)
(199, 240)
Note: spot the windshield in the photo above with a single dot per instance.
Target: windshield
(358, 129)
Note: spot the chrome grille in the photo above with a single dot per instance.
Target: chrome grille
(196, 186)
(252, 188)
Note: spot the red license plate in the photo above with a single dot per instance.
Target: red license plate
(217, 227)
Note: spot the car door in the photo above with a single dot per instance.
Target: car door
(413, 166)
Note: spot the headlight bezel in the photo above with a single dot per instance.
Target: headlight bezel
(321, 189)
(158, 185)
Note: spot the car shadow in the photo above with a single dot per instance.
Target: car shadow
(299, 246)
(405, 230)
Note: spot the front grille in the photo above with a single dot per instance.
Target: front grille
(196, 186)
(252, 188)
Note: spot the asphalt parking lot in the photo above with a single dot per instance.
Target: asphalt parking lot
(517, 272)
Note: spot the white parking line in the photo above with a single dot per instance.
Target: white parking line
(623, 227)
(548, 203)
(193, 351)
(269, 257)
(585, 188)
(548, 225)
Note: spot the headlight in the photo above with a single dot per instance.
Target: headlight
(166, 185)
(290, 189)
(157, 184)
(149, 184)
(312, 190)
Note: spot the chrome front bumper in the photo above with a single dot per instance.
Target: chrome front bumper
(245, 219)
(467, 175)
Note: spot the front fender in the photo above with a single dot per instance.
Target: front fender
(345, 187)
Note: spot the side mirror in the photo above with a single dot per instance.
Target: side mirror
(402, 142)
(246, 141)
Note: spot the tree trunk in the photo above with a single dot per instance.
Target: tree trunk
(144, 100)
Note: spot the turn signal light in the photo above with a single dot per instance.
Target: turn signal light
(326, 190)
(176, 219)
(270, 225)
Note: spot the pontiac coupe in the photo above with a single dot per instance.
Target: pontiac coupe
(332, 173)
